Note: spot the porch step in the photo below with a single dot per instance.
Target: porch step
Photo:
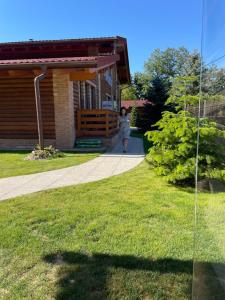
(89, 145)
(95, 143)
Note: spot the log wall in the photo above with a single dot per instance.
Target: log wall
(18, 111)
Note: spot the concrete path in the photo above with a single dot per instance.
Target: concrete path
(106, 165)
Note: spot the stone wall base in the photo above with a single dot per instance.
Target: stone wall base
(29, 144)
(22, 144)
(110, 142)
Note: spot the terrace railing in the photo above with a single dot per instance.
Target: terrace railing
(97, 122)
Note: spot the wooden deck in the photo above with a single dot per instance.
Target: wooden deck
(97, 122)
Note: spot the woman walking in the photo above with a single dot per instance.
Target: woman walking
(124, 123)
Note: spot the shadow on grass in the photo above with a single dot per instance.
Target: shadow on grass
(209, 281)
(86, 277)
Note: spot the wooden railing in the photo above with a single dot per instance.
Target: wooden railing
(97, 122)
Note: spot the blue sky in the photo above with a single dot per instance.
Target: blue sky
(147, 24)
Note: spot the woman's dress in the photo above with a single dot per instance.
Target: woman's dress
(124, 127)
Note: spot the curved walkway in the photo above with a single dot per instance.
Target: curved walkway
(106, 165)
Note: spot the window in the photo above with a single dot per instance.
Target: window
(82, 95)
(93, 97)
(88, 98)
(108, 97)
(108, 76)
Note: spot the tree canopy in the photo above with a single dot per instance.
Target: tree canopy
(172, 62)
(171, 80)
(128, 92)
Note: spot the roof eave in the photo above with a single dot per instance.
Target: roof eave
(85, 40)
(50, 65)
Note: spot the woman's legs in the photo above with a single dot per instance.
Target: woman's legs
(125, 144)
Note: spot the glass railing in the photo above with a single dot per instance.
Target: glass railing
(209, 244)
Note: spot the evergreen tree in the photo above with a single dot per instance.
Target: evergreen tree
(134, 115)
(157, 96)
(158, 91)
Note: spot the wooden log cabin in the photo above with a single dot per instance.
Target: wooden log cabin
(55, 91)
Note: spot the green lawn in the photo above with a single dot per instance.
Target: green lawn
(209, 258)
(126, 237)
(12, 163)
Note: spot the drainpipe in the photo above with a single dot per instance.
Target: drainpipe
(37, 80)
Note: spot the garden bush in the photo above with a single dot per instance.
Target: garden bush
(173, 153)
(47, 152)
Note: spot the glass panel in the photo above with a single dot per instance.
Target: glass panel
(209, 249)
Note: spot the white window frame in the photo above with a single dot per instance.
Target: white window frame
(90, 96)
(91, 83)
(109, 97)
(79, 95)
(84, 92)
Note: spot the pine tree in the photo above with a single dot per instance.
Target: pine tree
(134, 116)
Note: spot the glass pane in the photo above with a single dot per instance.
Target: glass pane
(209, 248)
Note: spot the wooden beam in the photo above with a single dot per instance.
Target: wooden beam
(20, 73)
(82, 76)
(37, 72)
(4, 73)
(71, 70)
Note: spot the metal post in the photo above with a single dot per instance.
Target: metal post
(37, 80)
(204, 108)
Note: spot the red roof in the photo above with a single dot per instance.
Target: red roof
(46, 60)
(21, 54)
(131, 103)
(98, 61)
(88, 39)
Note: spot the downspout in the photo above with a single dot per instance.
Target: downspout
(37, 80)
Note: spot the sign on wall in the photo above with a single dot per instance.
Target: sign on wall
(108, 104)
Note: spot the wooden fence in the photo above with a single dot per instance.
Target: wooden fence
(97, 122)
(214, 110)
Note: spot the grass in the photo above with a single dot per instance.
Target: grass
(12, 163)
(126, 237)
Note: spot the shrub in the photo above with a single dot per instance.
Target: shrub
(133, 116)
(174, 148)
(47, 152)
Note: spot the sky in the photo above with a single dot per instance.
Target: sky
(147, 24)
